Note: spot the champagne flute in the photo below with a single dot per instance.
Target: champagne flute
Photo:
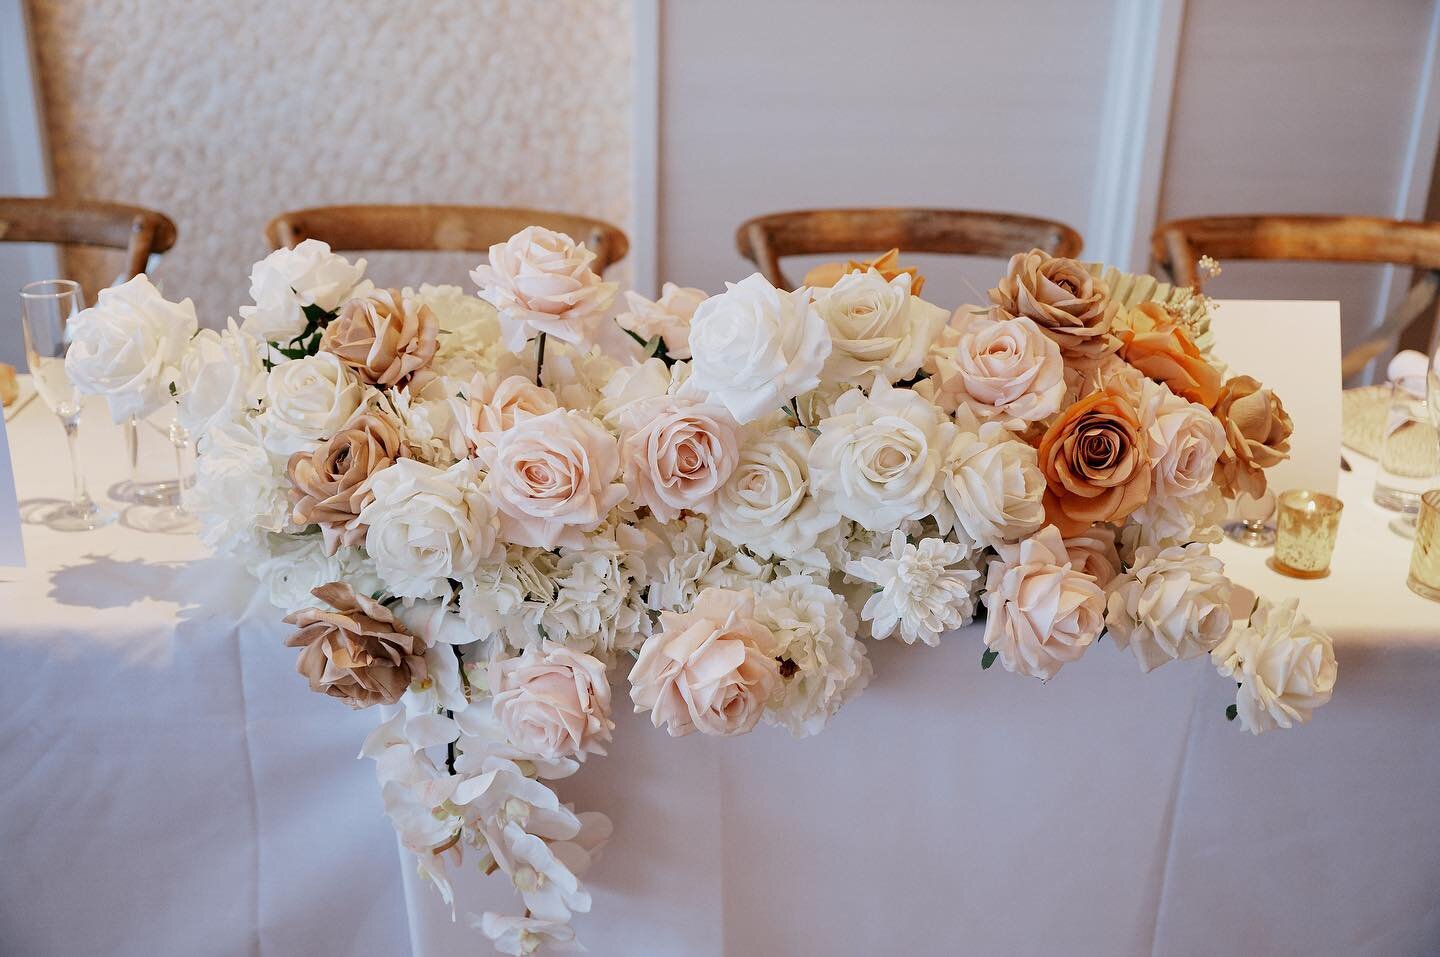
(49, 306)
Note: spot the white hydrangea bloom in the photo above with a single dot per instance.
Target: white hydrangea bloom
(240, 487)
(1173, 604)
(924, 590)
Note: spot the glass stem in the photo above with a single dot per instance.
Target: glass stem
(180, 439)
(132, 450)
(79, 497)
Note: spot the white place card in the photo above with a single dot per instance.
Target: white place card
(1294, 349)
(12, 548)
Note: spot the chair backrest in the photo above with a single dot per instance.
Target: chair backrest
(140, 232)
(1179, 244)
(438, 228)
(764, 240)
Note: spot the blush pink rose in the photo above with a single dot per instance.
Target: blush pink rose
(491, 404)
(1006, 368)
(1041, 612)
(667, 317)
(553, 702)
(680, 457)
(711, 670)
(541, 281)
(553, 477)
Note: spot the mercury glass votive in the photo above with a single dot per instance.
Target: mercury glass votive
(1305, 532)
(1424, 577)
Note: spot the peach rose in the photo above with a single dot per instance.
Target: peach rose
(553, 702)
(1041, 613)
(553, 477)
(356, 652)
(330, 485)
(1094, 552)
(1004, 367)
(887, 264)
(680, 457)
(1064, 299)
(1096, 463)
(711, 670)
(493, 403)
(384, 337)
(1154, 343)
(667, 317)
(1257, 435)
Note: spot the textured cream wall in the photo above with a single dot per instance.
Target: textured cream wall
(222, 113)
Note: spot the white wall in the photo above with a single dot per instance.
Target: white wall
(1276, 106)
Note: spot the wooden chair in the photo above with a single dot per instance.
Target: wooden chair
(764, 240)
(140, 232)
(435, 228)
(1179, 244)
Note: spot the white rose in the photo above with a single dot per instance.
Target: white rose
(287, 280)
(822, 665)
(128, 346)
(1173, 604)
(1041, 613)
(767, 506)
(880, 458)
(427, 526)
(222, 376)
(1002, 367)
(994, 485)
(667, 317)
(876, 326)
(755, 347)
(308, 400)
(1284, 664)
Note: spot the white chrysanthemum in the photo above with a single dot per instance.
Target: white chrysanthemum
(822, 665)
(1284, 664)
(767, 505)
(240, 488)
(925, 590)
(1172, 604)
(994, 485)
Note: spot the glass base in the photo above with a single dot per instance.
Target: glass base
(1397, 500)
(68, 517)
(1422, 589)
(1255, 536)
(164, 519)
(145, 493)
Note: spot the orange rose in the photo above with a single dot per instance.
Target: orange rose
(1154, 343)
(1095, 463)
(887, 264)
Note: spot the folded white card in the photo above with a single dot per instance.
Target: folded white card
(12, 548)
(1294, 349)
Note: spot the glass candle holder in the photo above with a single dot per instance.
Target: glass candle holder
(1424, 577)
(1305, 533)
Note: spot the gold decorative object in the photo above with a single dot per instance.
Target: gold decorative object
(1424, 577)
(1305, 533)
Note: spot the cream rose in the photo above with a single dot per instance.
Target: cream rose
(553, 477)
(880, 459)
(1041, 613)
(553, 702)
(1095, 552)
(221, 376)
(1004, 367)
(1172, 604)
(541, 281)
(766, 506)
(1185, 443)
(755, 347)
(994, 485)
(668, 317)
(128, 347)
(680, 457)
(1284, 664)
(308, 400)
(426, 526)
(712, 670)
(876, 326)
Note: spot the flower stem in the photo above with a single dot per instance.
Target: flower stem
(539, 358)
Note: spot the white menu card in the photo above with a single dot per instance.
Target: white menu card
(12, 549)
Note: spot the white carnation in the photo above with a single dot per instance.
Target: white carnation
(822, 665)
(1164, 521)
(1172, 604)
(1285, 667)
(924, 590)
(876, 326)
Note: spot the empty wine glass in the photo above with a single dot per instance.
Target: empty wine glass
(1254, 527)
(48, 307)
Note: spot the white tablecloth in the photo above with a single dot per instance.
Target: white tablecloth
(168, 785)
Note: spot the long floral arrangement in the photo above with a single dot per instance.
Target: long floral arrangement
(479, 511)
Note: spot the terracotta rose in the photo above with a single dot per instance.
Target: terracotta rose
(1095, 462)
(356, 652)
(384, 337)
(330, 485)
(1257, 435)
(887, 264)
(1063, 298)
(1154, 343)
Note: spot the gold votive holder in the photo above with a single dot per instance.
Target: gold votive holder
(1305, 531)
(1424, 577)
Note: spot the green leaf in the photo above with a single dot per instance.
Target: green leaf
(1231, 713)
(317, 316)
(988, 658)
